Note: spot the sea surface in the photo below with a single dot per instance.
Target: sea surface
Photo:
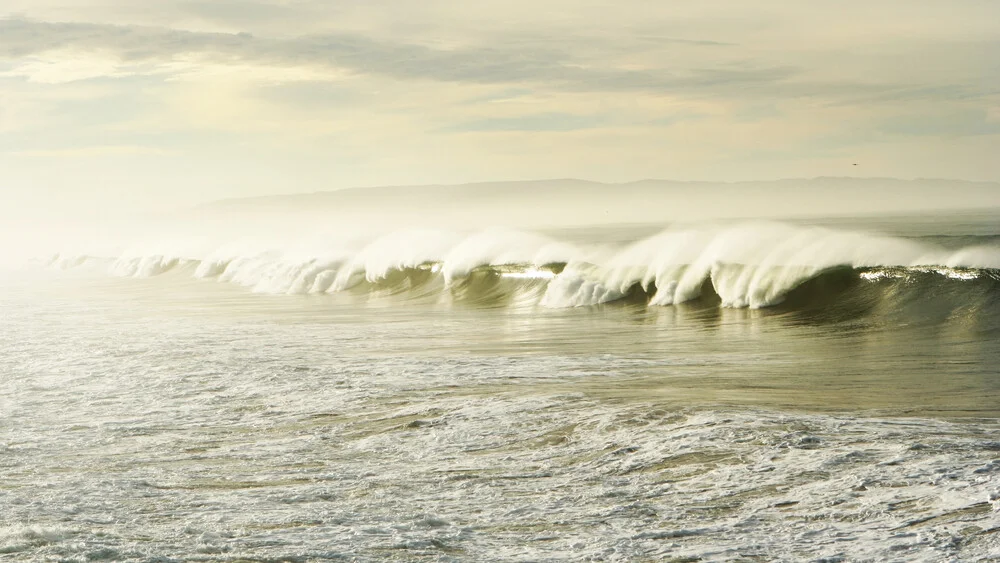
(809, 391)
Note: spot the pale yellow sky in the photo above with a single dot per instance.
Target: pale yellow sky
(171, 102)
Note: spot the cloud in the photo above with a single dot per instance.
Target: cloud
(964, 123)
(62, 66)
(319, 94)
(644, 63)
(95, 151)
(554, 122)
(513, 63)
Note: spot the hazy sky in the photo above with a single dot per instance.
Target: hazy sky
(166, 102)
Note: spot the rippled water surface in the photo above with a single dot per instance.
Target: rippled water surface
(172, 418)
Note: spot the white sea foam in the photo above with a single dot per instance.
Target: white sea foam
(748, 265)
(18, 538)
(974, 257)
(252, 431)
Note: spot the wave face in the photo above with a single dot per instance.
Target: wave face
(747, 266)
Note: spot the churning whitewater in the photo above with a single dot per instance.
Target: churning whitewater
(752, 391)
(753, 265)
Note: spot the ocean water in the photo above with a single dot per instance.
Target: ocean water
(817, 391)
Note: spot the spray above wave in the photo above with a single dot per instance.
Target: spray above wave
(750, 265)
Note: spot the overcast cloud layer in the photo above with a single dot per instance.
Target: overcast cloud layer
(168, 102)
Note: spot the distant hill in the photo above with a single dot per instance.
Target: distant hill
(564, 202)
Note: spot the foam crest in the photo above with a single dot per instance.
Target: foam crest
(392, 252)
(143, 266)
(752, 265)
(974, 257)
(747, 265)
(500, 247)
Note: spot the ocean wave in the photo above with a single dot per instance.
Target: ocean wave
(745, 266)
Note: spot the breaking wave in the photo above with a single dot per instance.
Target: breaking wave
(747, 266)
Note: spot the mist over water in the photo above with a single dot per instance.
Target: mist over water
(540, 371)
(318, 221)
